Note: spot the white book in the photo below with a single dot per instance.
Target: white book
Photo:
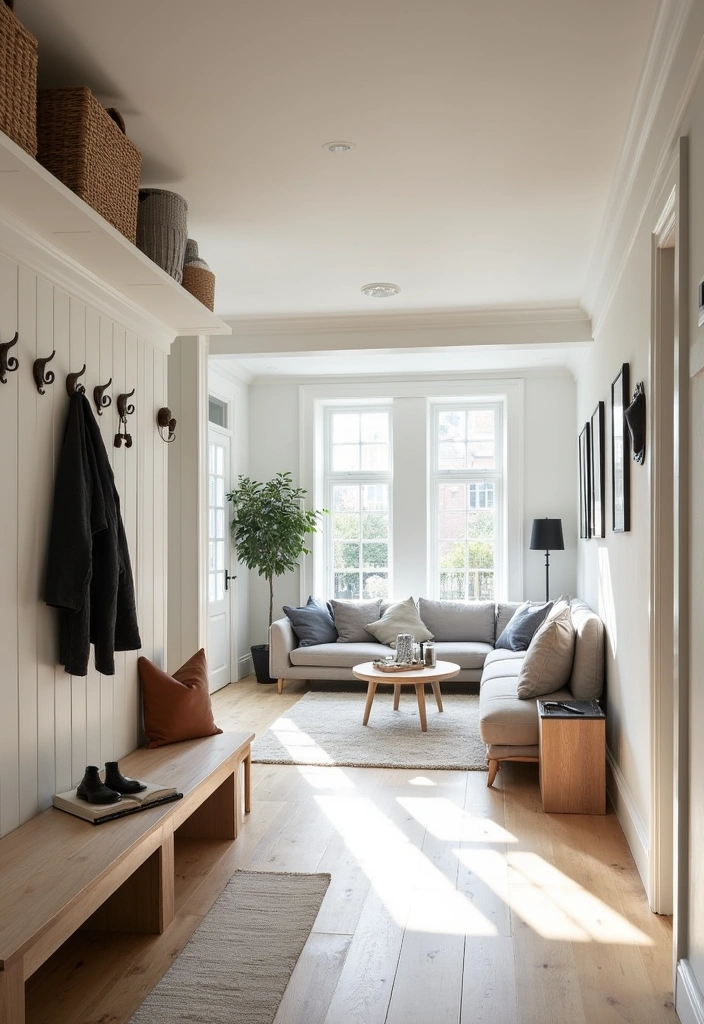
(98, 813)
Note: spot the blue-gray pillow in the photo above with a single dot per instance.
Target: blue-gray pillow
(313, 624)
(523, 626)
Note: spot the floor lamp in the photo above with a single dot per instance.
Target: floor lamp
(547, 536)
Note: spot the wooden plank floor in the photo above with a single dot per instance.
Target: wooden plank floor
(449, 903)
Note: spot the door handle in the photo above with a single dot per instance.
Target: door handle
(228, 578)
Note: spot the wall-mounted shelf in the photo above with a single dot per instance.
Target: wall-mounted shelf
(33, 199)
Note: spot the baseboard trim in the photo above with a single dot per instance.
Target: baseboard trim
(630, 820)
(689, 1002)
(245, 666)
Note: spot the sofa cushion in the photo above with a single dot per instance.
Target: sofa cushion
(336, 655)
(459, 620)
(401, 617)
(587, 678)
(505, 720)
(464, 653)
(523, 625)
(505, 611)
(548, 661)
(351, 618)
(312, 624)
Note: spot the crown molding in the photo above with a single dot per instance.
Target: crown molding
(669, 24)
(230, 369)
(422, 320)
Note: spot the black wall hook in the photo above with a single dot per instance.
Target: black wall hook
(72, 384)
(7, 363)
(41, 376)
(165, 421)
(101, 401)
(124, 410)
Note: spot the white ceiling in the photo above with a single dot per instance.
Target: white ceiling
(486, 136)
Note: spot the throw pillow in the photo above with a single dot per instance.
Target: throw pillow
(399, 618)
(548, 661)
(522, 627)
(351, 619)
(313, 624)
(176, 707)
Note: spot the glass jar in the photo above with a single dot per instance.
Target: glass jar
(429, 654)
(404, 648)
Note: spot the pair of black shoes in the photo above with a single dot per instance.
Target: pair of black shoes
(95, 791)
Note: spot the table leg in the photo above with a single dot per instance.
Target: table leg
(438, 696)
(420, 694)
(371, 690)
(397, 695)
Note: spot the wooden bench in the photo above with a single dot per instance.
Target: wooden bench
(58, 872)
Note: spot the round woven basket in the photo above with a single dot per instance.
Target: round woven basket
(200, 281)
(162, 230)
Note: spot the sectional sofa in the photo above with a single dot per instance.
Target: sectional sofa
(465, 633)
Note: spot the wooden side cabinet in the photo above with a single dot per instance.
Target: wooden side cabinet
(573, 759)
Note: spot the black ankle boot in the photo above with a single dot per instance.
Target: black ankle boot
(90, 788)
(117, 781)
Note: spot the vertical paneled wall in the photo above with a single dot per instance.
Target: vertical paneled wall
(52, 724)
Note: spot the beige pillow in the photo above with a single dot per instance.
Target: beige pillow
(399, 618)
(548, 661)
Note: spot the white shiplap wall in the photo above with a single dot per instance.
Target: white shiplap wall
(51, 724)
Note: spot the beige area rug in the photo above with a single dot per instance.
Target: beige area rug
(326, 728)
(235, 968)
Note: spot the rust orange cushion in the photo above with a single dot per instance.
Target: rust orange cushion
(176, 707)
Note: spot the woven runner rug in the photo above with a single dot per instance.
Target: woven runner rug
(235, 968)
(326, 729)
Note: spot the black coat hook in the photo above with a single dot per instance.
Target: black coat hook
(124, 410)
(41, 376)
(165, 421)
(72, 385)
(7, 364)
(101, 401)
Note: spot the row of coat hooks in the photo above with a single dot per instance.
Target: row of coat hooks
(42, 377)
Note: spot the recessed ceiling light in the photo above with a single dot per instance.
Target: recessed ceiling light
(338, 147)
(381, 290)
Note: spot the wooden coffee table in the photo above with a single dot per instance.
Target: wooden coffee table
(417, 677)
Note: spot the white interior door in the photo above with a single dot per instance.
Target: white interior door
(220, 593)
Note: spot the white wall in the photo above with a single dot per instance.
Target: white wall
(548, 440)
(52, 724)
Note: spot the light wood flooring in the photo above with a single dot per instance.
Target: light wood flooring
(449, 903)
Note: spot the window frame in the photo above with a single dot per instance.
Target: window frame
(465, 476)
(360, 477)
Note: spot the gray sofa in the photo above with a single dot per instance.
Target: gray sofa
(465, 633)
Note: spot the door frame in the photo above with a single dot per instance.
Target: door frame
(225, 432)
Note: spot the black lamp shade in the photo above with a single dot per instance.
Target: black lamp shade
(547, 535)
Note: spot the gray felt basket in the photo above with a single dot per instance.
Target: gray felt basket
(162, 230)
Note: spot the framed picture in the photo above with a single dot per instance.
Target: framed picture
(620, 463)
(584, 484)
(598, 516)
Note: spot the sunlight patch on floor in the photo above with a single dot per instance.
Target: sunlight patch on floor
(325, 777)
(448, 822)
(298, 743)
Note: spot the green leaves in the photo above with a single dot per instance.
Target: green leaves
(270, 525)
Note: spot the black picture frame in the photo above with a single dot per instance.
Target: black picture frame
(620, 450)
(598, 511)
(584, 484)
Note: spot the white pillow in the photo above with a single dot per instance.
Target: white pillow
(548, 662)
(402, 617)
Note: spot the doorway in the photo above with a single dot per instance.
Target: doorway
(221, 593)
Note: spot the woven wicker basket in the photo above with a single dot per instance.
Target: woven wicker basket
(18, 80)
(162, 230)
(200, 281)
(85, 146)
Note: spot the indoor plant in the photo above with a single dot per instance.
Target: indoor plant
(269, 528)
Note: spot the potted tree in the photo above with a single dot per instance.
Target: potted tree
(269, 528)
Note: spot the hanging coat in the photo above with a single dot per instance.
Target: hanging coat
(89, 576)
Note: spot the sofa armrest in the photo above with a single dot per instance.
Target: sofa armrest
(282, 640)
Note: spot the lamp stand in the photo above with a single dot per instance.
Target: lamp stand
(547, 576)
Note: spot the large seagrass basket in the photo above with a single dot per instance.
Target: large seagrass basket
(18, 80)
(162, 230)
(85, 146)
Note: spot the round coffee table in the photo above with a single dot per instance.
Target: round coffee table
(417, 677)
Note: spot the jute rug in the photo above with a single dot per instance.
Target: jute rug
(236, 966)
(326, 729)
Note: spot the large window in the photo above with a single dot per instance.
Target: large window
(358, 495)
(467, 505)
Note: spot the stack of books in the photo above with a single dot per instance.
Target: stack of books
(98, 813)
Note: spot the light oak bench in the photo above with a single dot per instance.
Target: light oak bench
(58, 872)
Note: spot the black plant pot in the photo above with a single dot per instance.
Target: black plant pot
(260, 660)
